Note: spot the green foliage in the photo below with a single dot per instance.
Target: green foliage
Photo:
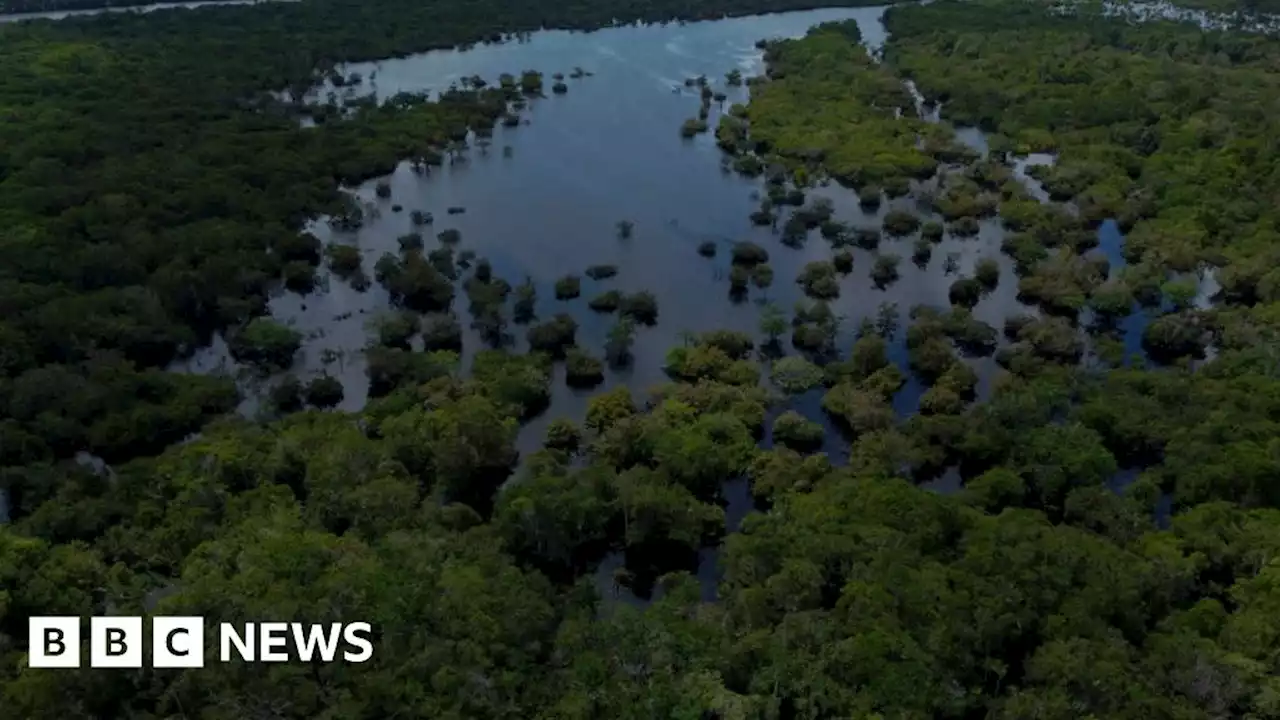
(1037, 591)
(762, 276)
(606, 302)
(524, 308)
(793, 430)
(965, 292)
(287, 395)
(692, 127)
(795, 374)
(885, 271)
(847, 119)
(442, 332)
(640, 307)
(324, 392)
(608, 408)
(563, 435)
(266, 344)
(749, 253)
(617, 348)
(601, 272)
(568, 287)
(344, 260)
(554, 335)
(395, 328)
(706, 360)
(773, 322)
(900, 222)
(581, 369)
(819, 280)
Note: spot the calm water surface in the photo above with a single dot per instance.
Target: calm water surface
(62, 14)
(610, 150)
(607, 151)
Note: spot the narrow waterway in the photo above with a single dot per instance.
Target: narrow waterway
(543, 200)
(610, 150)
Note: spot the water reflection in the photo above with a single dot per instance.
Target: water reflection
(634, 62)
(610, 150)
(137, 9)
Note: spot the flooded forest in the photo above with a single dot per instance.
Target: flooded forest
(745, 360)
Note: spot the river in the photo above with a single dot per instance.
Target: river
(63, 14)
(610, 150)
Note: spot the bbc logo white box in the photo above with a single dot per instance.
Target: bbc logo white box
(53, 642)
(177, 642)
(115, 642)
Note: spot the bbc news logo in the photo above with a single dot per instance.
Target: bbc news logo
(178, 642)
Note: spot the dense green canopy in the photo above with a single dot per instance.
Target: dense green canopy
(1114, 549)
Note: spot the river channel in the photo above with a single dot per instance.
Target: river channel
(545, 198)
(610, 150)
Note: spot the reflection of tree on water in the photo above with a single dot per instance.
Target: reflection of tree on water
(699, 240)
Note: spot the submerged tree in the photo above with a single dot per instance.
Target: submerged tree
(617, 348)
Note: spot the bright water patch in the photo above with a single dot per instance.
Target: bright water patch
(137, 9)
(610, 150)
(709, 48)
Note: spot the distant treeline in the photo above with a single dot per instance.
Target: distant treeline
(45, 6)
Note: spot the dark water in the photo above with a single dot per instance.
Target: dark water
(607, 151)
(610, 150)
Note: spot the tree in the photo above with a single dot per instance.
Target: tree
(773, 322)
(987, 272)
(395, 328)
(581, 369)
(266, 344)
(795, 374)
(526, 299)
(641, 307)
(749, 253)
(568, 287)
(324, 391)
(762, 276)
(563, 435)
(558, 520)
(966, 292)
(795, 431)
(900, 223)
(606, 302)
(819, 280)
(608, 408)
(286, 395)
(617, 348)
(442, 332)
(602, 272)
(885, 271)
(553, 336)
